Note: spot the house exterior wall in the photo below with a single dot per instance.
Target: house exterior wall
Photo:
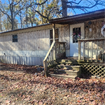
(34, 43)
(93, 30)
(30, 49)
(32, 46)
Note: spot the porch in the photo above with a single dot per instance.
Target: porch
(91, 59)
(93, 55)
(90, 47)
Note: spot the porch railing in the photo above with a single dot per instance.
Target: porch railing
(56, 51)
(92, 50)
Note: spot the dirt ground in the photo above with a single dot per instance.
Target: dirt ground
(23, 85)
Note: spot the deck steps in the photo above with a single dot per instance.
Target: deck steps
(67, 61)
(68, 72)
(66, 69)
(72, 68)
(62, 66)
(63, 76)
(70, 61)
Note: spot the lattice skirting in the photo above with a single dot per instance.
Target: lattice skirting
(93, 69)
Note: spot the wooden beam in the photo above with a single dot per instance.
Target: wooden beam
(45, 68)
(92, 52)
(53, 32)
(83, 50)
(91, 39)
(88, 51)
(54, 50)
(97, 51)
(103, 52)
(51, 47)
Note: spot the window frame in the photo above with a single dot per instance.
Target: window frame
(15, 38)
(75, 36)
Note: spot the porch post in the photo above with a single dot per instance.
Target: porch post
(103, 52)
(53, 32)
(54, 51)
(92, 53)
(79, 50)
(97, 50)
(84, 51)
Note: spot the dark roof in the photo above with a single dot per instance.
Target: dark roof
(80, 18)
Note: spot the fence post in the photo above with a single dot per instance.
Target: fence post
(84, 51)
(45, 68)
(92, 53)
(97, 50)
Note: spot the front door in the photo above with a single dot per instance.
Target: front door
(76, 32)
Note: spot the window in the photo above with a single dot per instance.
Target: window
(56, 35)
(14, 38)
(76, 34)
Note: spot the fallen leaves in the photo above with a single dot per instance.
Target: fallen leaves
(26, 88)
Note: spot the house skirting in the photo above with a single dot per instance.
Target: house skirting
(23, 57)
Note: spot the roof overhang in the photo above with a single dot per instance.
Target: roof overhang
(79, 18)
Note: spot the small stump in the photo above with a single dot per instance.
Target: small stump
(77, 68)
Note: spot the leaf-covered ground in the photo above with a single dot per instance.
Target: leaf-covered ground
(19, 87)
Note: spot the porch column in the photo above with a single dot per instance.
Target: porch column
(0, 23)
(53, 32)
(79, 50)
(83, 47)
(54, 51)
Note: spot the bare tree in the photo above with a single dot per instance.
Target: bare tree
(11, 9)
(83, 5)
(14, 7)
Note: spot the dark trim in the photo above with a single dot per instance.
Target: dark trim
(80, 18)
(25, 28)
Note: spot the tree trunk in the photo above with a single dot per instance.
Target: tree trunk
(12, 17)
(42, 13)
(64, 8)
(21, 18)
(12, 20)
(26, 18)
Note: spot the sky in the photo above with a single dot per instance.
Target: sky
(84, 3)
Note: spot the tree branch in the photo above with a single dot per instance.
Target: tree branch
(17, 3)
(40, 3)
(68, 6)
(5, 13)
(72, 2)
(41, 14)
